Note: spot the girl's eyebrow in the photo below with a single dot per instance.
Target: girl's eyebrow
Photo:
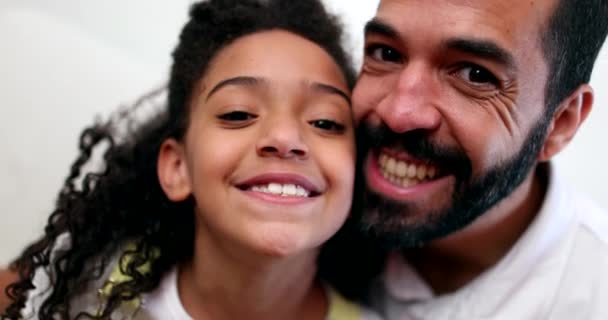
(249, 81)
(237, 81)
(326, 88)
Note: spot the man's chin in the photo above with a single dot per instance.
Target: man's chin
(394, 237)
(405, 225)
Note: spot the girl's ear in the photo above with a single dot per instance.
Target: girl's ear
(172, 171)
(568, 118)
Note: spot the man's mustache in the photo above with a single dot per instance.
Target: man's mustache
(416, 143)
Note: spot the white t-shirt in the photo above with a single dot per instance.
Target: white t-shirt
(164, 304)
(557, 270)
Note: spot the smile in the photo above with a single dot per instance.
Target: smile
(405, 173)
(280, 185)
(284, 190)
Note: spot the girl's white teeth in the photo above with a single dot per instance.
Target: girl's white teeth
(285, 190)
(404, 173)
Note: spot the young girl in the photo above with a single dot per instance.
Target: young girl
(215, 208)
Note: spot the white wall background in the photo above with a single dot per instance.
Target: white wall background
(64, 62)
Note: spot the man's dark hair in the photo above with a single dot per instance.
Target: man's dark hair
(100, 211)
(572, 40)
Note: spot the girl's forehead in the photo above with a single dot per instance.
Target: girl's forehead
(276, 55)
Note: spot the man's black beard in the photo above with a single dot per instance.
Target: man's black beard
(387, 220)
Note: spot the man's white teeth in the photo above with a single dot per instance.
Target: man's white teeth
(285, 190)
(404, 173)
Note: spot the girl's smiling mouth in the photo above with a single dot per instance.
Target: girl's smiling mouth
(285, 185)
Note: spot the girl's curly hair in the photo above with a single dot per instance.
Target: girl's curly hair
(100, 211)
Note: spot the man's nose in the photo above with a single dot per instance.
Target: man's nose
(413, 101)
(282, 138)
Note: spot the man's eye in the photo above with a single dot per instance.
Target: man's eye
(327, 125)
(383, 53)
(237, 116)
(477, 76)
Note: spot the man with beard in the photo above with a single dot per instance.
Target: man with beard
(461, 106)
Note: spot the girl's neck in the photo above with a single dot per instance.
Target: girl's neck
(232, 283)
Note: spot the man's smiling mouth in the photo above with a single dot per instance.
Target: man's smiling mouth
(405, 173)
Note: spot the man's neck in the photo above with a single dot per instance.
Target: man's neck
(452, 262)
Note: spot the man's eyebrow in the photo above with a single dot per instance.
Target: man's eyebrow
(483, 48)
(378, 27)
(246, 81)
(326, 88)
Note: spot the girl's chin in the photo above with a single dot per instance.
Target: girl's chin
(281, 245)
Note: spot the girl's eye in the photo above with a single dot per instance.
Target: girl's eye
(477, 76)
(328, 125)
(383, 53)
(237, 116)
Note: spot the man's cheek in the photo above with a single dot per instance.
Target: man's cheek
(359, 109)
(363, 104)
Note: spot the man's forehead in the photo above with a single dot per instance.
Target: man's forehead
(537, 10)
(509, 23)
(477, 3)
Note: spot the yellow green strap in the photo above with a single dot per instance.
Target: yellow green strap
(340, 308)
(117, 277)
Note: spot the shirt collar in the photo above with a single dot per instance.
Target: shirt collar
(404, 284)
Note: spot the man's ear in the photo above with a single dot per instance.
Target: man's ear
(172, 171)
(566, 121)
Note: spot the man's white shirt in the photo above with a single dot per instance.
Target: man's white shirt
(558, 269)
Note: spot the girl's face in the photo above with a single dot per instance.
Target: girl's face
(269, 153)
